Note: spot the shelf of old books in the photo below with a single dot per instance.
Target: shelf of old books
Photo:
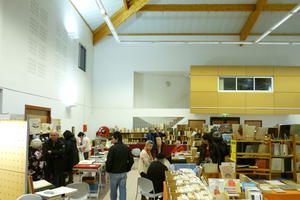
(270, 152)
(185, 184)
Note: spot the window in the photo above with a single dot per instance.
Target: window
(246, 84)
(82, 57)
(263, 84)
(227, 83)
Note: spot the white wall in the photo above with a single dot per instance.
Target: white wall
(161, 90)
(39, 64)
(115, 65)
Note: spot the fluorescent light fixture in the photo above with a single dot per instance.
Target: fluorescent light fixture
(236, 42)
(101, 7)
(263, 36)
(206, 42)
(275, 26)
(108, 21)
(276, 43)
(202, 42)
(296, 9)
(281, 22)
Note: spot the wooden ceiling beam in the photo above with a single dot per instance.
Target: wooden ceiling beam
(126, 4)
(117, 19)
(253, 17)
(214, 7)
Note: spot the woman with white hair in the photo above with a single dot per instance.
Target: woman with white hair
(36, 164)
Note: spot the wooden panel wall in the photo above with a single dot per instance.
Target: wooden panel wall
(13, 147)
(205, 98)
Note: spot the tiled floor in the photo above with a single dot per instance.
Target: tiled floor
(131, 187)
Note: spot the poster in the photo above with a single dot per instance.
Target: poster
(34, 126)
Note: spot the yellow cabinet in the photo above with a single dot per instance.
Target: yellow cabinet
(259, 70)
(286, 84)
(287, 100)
(204, 70)
(286, 71)
(232, 70)
(204, 83)
(259, 100)
(204, 99)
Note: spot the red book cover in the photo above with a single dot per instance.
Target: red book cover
(87, 166)
(262, 164)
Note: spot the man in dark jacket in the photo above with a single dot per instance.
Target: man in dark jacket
(119, 162)
(71, 155)
(209, 150)
(54, 151)
(156, 172)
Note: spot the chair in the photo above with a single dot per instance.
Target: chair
(146, 188)
(136, 154)
(82, 193)
(30, 197)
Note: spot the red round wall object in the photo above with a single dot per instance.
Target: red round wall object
(103, 131)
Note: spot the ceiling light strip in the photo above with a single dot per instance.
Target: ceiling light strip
(107, 20)
(275, 26)
(206, 42)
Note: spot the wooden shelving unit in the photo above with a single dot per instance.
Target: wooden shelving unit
(293, 156)
(241, 143)
(296, 157)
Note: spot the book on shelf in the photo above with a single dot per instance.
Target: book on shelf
(227, 172)
(277, 165)
(263, 148)
(248, 184)
(216, 186)
(232, 186)
(261, 164)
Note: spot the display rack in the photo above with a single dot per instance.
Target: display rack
(242, 157)
(238, 154)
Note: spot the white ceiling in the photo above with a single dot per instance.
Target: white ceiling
(188, 22)
(184, 22)
(89, 10)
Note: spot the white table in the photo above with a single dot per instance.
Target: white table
(91, 168)
(58, 193)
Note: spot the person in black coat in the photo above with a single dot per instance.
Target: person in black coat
(54, 155)
(119, 161)
(71, 154)
(209, 150)
(156, 172)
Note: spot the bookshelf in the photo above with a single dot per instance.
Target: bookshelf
(244, 155)
(290, 162)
